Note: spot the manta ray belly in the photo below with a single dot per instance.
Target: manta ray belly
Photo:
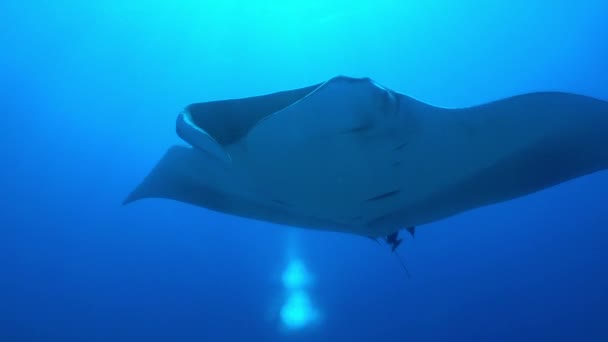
(331, 156)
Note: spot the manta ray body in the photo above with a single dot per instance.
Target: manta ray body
(350, 155)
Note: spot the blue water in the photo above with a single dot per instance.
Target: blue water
(90, 92)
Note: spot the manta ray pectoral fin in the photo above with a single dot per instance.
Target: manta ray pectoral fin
(167, 179)
(188, 175)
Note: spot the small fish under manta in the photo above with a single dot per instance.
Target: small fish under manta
(350, 155)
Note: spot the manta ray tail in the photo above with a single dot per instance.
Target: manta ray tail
(402, 262)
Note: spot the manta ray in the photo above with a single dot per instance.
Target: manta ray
(350, 155)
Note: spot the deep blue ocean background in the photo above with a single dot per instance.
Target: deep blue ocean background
(89, 95)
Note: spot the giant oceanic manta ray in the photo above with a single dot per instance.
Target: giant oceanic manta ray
(350, 155)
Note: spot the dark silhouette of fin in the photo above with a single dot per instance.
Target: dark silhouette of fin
(411, 230)
(393, 240)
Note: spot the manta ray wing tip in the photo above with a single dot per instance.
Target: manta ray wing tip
(129, 199)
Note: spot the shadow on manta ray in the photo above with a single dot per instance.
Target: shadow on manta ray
(349, 155)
